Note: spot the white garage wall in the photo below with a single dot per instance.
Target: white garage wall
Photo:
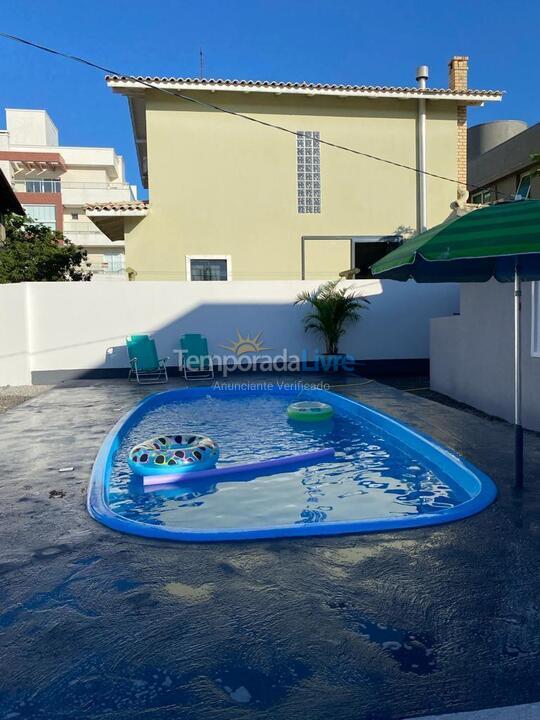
(77, 326)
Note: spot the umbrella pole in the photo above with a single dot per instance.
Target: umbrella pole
(518, 429)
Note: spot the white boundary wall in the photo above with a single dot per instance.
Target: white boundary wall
(82, 326)
(472, 355)
(14, 335)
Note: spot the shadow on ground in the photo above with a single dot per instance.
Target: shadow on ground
(96, 624)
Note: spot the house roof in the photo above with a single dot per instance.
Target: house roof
(125, 82)
(110, 217)
(123, 207)
(8, 200)
(135, 87)
(508, 158)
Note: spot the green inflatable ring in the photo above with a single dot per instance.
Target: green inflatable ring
(310, 411)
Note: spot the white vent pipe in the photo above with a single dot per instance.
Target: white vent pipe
(422, 74)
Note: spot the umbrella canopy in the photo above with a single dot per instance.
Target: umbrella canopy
(501, 241)
(475, 247)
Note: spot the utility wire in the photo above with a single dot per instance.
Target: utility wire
(219, 108)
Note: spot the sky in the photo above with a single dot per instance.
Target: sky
(329, 41)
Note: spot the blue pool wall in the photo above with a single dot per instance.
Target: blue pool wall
(477, 485)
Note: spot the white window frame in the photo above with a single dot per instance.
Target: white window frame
(530, 175)
(110, 263)
(227, 258)
(535, 320)
(41, 182)
(51, 224)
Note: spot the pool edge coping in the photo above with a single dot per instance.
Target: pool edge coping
(99, 509)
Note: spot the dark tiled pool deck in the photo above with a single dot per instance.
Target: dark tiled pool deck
(95, 624)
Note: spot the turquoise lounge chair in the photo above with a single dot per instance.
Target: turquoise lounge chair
(144, 365)
(194, 359)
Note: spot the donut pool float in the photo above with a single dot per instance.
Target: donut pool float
(310, 411)
(173, 454)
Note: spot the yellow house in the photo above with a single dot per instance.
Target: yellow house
(232, 197)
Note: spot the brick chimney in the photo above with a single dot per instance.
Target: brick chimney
(458, 69)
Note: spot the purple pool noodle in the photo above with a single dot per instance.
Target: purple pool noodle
(262, 466)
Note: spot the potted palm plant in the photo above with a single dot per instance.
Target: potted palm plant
(333, 308)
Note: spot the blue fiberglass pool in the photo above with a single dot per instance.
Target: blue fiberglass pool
(384, 475)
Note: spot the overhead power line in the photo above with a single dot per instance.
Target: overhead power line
(228, 111)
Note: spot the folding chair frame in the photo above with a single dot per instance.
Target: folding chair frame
(195, 374)
(148, 377)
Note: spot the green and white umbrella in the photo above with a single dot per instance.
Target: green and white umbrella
(501, 241)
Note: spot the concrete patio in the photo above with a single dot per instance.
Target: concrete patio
(101, 625)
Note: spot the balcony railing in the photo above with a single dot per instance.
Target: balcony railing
(82, 192)
(86, 237)
(108, 272)
(81, 226)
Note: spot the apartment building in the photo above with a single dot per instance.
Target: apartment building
(54, 183)
(504, 161)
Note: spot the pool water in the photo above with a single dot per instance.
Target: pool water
(372, 475)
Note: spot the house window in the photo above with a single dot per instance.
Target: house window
(481, 198)
(74, 216)
(209, 267)
(524, 187)
(43, 186)
(308, 171)
(113, 262)
(367, 250)
(44, 214)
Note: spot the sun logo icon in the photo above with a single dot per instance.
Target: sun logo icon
(244, 345)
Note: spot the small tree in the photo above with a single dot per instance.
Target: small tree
(34, 252)
(333, 309)
(406, 231)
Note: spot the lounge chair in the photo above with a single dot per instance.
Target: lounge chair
(194, 360)
(144, 365)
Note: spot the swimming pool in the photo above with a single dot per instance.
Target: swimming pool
(384, 475)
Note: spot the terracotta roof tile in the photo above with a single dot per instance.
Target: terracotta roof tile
(308, 87)
(120, 206)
